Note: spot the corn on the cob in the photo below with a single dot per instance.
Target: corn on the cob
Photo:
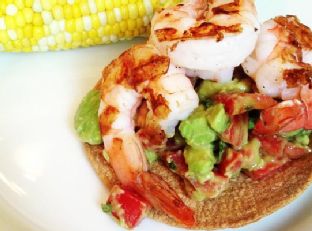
(41, 25)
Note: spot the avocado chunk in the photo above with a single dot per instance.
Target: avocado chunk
(252, 158)
(151, 156)
(200, 161)
(217, 118)
(86, 119)
(196, 130)
(209, 88)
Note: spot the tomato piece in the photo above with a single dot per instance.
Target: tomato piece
(175, 161)
(127, 206)
(294, 151)
(272, 145)
(238, 103)
(237, 132)
(306, 97)
(268, 169)
(284, 117)
(231, 163)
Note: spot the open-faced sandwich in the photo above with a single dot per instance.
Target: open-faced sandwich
(207, 125)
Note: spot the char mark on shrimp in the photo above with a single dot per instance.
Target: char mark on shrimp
(107, 118)
(229, 8)
(205, 29)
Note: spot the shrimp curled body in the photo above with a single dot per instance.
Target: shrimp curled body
(142, 80)
(208, 37)
(282, 61)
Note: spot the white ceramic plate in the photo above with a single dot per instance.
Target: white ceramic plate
(46, 182)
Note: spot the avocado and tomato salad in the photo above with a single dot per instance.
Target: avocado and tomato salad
(221, 139)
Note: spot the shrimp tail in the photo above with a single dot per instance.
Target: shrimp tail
(161, 196)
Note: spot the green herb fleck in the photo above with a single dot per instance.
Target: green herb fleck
(106, 208)
(172, 166)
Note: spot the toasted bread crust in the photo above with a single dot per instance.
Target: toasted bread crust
(245, 201)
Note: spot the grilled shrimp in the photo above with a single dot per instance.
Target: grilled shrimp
(282, 62)
(141, 76)
(207, 37)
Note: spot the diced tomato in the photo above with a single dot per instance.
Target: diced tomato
(175, 161)
(286, 116)
(238, 103)
(126, 205)
(272, 145)
(231, 163)
(294, 151)
(268, 169)
(306, 97)
(237, 132)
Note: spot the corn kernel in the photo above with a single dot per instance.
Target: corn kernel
(92, 33)
(139, 23)
(11, 9)
(123, 26)
(28, 14)
(100, 5)
(25, 42)
(148, 6)
(87, 23)
(92, 6)
(46, 30)
(68, 13)
(37, 6)
(79, 25)
(9, 46)
(46, 4)
(107, 30)
(141, 9)
(2, 23)
(117, 3)
(95, 21)
(28, 3)
(85, 9)
(10, 22)
(57, 12)
(77, 37)
(19, 4)
(110, 17)
(124, 2)
(60, 39)
(124, 12)
(116, 29)
(12, 34)
(62, 2)
(131, 24)
(102, 18)
(17, 45)
(109, 5)
(70, 25)
(117, 14)
(19, 18)
(100, 31)
(37, 19)
(38, 32)
(133, 11)
(76, 11)
(46, 17)
(28, 31)
(19, 33)
(33, 41)
(4, 38)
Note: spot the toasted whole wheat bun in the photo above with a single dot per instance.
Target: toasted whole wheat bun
(245, 201)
